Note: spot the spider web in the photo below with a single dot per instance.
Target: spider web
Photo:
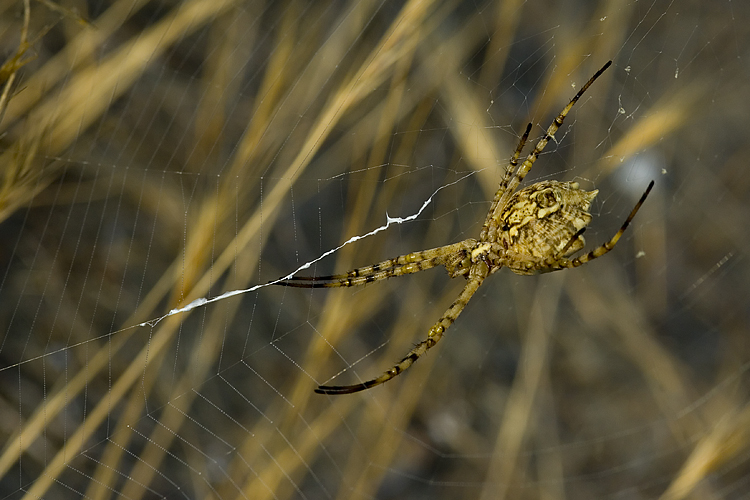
(163, 162)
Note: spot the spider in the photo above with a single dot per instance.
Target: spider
(530, 231)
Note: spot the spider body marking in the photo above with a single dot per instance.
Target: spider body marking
(532, 230)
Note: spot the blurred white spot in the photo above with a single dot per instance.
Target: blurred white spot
(444, 427)
(449, 426)
(634, 174)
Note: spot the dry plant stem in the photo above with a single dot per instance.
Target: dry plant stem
(530, 231)
(11, 67)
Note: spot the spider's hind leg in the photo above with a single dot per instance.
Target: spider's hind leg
(563, 263)
(549, 135)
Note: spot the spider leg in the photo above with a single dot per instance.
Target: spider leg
(363, 277)
(404, 264)
(504, 183)
(529, 162)
(562, 263)
(433, 337)
(572, 240)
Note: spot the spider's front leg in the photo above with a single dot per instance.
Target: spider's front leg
(459, 263)
(448, 255)
(478, 272)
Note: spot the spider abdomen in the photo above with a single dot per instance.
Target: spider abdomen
(540, 221)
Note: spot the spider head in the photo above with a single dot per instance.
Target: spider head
(539, 222)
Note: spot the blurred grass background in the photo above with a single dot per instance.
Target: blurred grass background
(155, 153)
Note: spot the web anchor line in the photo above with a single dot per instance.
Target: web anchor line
(388, 222)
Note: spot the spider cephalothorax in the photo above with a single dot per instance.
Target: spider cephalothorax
(529, 231)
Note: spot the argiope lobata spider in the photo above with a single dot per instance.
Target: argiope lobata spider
(530, 231)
